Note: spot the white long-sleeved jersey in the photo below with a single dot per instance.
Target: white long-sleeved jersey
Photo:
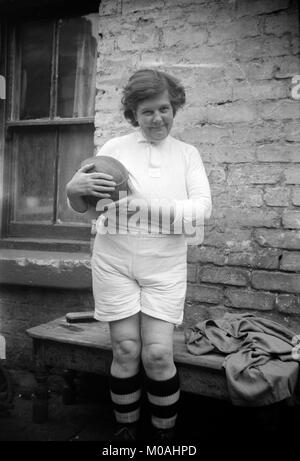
(169, 176)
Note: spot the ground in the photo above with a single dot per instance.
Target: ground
(90, 419)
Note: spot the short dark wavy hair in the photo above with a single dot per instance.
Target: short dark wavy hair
(149, 83)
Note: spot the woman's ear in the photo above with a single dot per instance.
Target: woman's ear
(135, 118)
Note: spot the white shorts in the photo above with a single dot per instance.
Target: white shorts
(139, 273)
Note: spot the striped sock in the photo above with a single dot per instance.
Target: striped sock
(163, 397)
(125, 395)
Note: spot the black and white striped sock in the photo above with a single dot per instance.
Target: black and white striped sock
(126, 395)
(163, 397)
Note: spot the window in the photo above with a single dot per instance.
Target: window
(50, 123)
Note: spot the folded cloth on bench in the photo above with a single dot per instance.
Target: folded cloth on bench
(260, 363)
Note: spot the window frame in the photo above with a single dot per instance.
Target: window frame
(71, 235)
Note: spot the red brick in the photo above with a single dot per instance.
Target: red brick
(199, 136)
(280, 110)
(289, 304)
(183, 3)
(254, 174)
(211, 93)
(274, 152)
(191, 273)
(106, 47)
(255, 48)
(216, 174)
(296, 196)
(248, 299)
(281, 23)
(241, 196)
(213, 56)
(231, 112)
(292, 130)
(285, 67)
(291, 219)
(295, 45)
(184, 36)
(108, 7)
(230, 153)
(255, 7)
(251, 218)
(138, 40)
(251, 70)
(276, 196)
(233, 30)
(278, 238)
(263, 258)
(191, 112)
(270, 89)
(266, 258)
(225, 275)
(268, 131)
(276, 281)
(204, 293)
(292, 174)
(290, 261)
(206, 255)
(195, 312)
(235, 239)
(210, 12)
(255, 70)
(130, 6)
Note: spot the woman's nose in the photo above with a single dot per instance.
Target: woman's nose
(157, 118)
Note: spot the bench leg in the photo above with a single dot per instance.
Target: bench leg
(40, 396)
(70, 391)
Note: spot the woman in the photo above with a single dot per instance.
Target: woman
(139, 271)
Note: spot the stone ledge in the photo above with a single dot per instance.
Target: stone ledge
(45, 268)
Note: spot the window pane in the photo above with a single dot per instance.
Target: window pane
(34, 175)
(36, 55)
(76, 143)
(77, 66)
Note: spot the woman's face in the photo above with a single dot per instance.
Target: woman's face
(155, 117)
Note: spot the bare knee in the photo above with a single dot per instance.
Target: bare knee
(126, 353)
(157, 359)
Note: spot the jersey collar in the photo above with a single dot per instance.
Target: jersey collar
(142, 139)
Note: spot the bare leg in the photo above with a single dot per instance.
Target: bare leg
(157, 349)
(126, 345)
(162, 381)
(125, 386)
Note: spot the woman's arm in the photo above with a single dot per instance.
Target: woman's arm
(86, 183)
(198, 207)
(178, 215)
(171, 215)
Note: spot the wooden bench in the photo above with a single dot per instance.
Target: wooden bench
(85, 347)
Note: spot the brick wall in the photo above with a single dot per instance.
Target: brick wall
(23, 307)
(236, 60)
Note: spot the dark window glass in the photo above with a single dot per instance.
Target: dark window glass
(35, 79)
(34, 175)
(75, 145)
(54, 78)
(77, 67)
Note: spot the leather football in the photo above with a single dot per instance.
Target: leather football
(111, 166)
